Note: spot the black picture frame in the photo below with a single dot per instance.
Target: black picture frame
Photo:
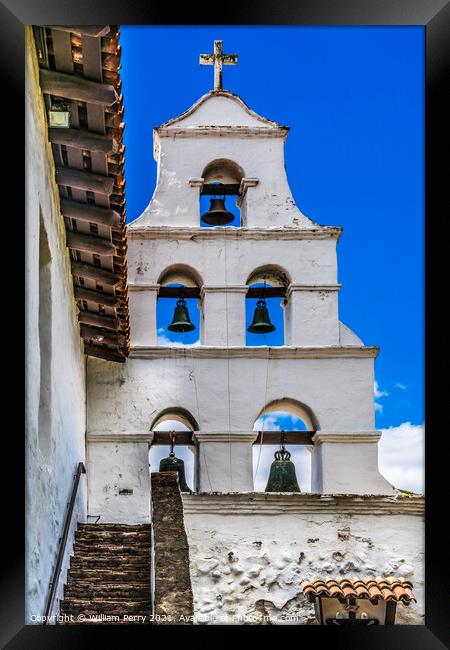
(434, 15)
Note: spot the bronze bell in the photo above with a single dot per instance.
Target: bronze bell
(173, 464)
(217, 214)
(282, 477)
(261, 321)
(181, 321)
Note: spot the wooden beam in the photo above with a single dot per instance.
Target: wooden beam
(194, 292)
(108, 46)
(98, 320)
(110, 62)
(81, 139)
(97, 297)
(103, 353)
(269, 292)
(91, 213)
(74, 87)
(96, 273)
(98, 336)
(86, 181)
(88, 30)
(291, 437)
(175, 292)
(90, 243)
(163, 438)
(220, 189)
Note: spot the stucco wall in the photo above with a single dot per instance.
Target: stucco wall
(308, 261)
(185, 147)
(119, 481)
(248, 553)
(49, 470)
(128, 397)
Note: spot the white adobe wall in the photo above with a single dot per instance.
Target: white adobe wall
(270, 204)
(127, 397)
(220, 125)
(118, 477)
(249, 553)
(224, 264)
(49, 477)
(307, 261)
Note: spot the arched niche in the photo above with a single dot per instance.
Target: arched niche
(224, 171)
(269, 282)
(178, 281)
(163, 421)
(293, 407)
(221, 180)
(288, 415)
(181, 274)
(273, 274)
(180, 421)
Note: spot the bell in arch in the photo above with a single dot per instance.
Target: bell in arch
(282, 477)
(261, 320)
(181, 321)
(174, 464)
(217, 214)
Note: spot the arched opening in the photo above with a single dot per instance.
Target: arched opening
(298, 423)
(264, 306)
(220, 194)
(181, 424)
(178, 309)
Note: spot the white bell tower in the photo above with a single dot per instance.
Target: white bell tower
(323, 371)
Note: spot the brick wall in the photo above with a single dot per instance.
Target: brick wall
(173, 592)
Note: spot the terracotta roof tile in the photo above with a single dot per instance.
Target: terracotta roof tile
(388, 588)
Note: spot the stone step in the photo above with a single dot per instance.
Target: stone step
(106, 575)
(110, 607)
(109, 561)
(107, 549)
(138, 585)
(109, 575)
(115, 593)
(114, 527)
(99, 535)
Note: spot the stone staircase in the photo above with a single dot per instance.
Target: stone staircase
(109, 576)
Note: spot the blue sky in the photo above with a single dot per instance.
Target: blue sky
(353, 97)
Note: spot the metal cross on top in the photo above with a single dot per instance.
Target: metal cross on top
(218, 59)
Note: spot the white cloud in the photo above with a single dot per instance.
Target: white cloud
(378, 394)
(162, 339)
(401, 456)
(401, 386)
(267, 422)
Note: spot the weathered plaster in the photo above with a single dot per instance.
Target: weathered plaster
(49, 476)
(249, 553)
(119, 480)
(129, 396)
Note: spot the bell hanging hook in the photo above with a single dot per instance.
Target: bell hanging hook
(172, 443)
